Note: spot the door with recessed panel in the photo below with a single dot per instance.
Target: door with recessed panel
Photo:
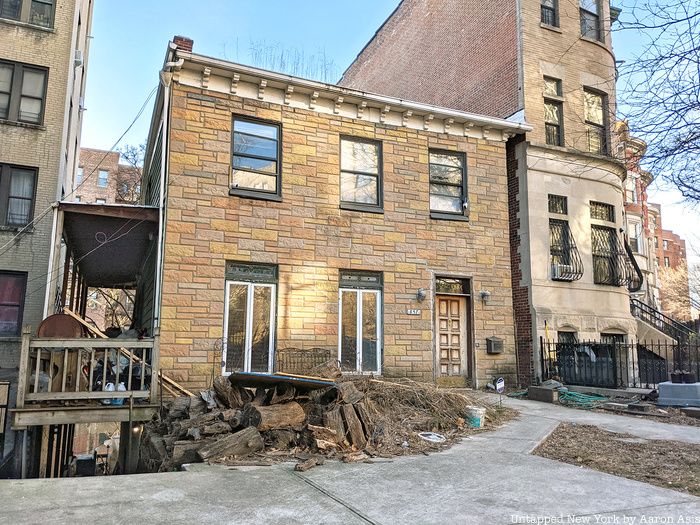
(451, 334)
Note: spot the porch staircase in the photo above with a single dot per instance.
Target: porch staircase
(660, 322)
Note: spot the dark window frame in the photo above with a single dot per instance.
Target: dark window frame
(252, 193)
(16, 92)
(5, 181)
(445, 215)
(550, 15)
(602, 129)
(558, 204)
(359, 206)
(594, 16)
(25, 11)
(609, 209)
(20, 306)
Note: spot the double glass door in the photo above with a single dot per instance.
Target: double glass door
(360, 330)
(249, 327)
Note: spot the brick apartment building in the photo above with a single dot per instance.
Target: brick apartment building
(102, 178)
(305, 215)
(43, 62)
(551, 64)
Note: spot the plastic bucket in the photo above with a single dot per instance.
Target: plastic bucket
(476, 417)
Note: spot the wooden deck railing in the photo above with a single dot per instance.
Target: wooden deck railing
(80, 369)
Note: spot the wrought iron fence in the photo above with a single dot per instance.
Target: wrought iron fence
(642, 364)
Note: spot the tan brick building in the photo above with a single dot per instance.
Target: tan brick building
(304, 215)
(551, 64)
(43, 60)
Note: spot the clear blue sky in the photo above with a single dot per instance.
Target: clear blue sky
(130, 39)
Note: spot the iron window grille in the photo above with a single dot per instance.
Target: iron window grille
(558, 204)
(360, 174)
(256, 159)
(595, 109)
(22, 92)
(611, 265)
(17, 195)
(602, 211)
(549, 13)
(564, 256)
(34, 12)
(553, 111)
(590, 19)
(448, 184)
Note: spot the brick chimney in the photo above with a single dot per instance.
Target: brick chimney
(184, 43)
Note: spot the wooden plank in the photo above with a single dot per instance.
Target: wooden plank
(58, 396)
(354, 428)
(23, 366)
(84, 342)
(44, 452)
(65, 415)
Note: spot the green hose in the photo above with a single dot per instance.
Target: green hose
(577, 400)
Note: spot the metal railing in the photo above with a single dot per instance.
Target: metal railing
(643, 364)
(564, 255)
(663, 323)
(84, 370)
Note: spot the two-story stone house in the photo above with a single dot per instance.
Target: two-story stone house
(305, 215)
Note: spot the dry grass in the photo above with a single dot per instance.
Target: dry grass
(400, 409)
(669, 464)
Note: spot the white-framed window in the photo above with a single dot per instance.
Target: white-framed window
(100, 201)
(360, 322)
(79, 176)
(102, 178)
(249, 319)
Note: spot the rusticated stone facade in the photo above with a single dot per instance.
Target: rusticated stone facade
(311, 239)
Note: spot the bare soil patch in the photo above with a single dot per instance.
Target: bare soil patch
(668, 464)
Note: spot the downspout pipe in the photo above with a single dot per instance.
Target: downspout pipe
(166, 80)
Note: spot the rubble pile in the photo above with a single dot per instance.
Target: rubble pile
(351, 419)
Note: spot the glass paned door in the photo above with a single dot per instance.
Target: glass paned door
(249, 326)
(360, 330)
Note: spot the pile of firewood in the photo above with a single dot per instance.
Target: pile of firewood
(233, 424)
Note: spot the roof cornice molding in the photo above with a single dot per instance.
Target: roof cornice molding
(221, 76)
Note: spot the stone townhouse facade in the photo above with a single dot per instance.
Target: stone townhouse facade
(43, 62)
(301, 215)
(550, 63)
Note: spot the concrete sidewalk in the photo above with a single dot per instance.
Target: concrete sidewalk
(488, 478)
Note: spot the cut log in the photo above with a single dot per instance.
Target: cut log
(186, 452)
(239, 444)
(355, 432)
(179, 407)
(281, 439)
(325, 433)
(218, 427)
(260, 396)
(342, 392)
(329, 370)
(232, 416)
(286, 415)
(197, 421)
(310, 463)
(364, 418)
(233, 396)
(280, 394)
(250, 417)
(333, 420)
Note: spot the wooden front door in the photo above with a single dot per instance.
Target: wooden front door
(452, 334)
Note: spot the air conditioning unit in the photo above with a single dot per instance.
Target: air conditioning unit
(78, 58)
(563, 272)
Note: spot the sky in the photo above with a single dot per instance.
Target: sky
(130, 40)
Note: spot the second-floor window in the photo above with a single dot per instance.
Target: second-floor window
(595, 106)
(548, 13)
(79, 174)
(34, 12)
(590, 19)
(102, 178)
(360, 174)
(553, 112)
(448, 184)
(16, 195)
(256, 165)
(602, 211)
(22, 92)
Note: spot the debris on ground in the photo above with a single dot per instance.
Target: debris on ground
(669, 464)
(349, 419)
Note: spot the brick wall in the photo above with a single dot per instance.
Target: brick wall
(310, 238)
(453, 53)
